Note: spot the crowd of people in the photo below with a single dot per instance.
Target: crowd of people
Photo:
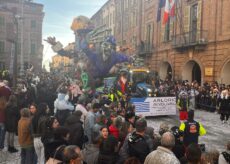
(58, 122)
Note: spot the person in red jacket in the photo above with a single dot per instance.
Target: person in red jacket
(115, 126)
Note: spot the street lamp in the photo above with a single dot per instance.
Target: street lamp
(15, 64)
(22, 40)
(16, 19)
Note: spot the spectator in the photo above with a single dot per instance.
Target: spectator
(91, 151)
(2, 121)
(72, 155)
(130, 117)
(38, 130)
(60, 138)
(211, 156)
(137, 143)
(178, 149)
(62, 107)
(193, 154)
(224, 157)
(191, 130)
(33, 109)
(81, 107)
(51, 124)
(90, 121)
(132, 160)
(224, 105)
(163, 154)
(124, 131)
(157, 139)
(104, 132)
(100, 122)
(115, 127)
(108, 151)
(12, 117)
(75, 126)
(25, 139)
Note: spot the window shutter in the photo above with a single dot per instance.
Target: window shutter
(199, 10)
(186, 18)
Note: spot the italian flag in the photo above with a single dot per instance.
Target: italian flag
(169, 10)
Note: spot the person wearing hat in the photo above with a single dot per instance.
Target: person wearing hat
(182, 105)
(191, 130)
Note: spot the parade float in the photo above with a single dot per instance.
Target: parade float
(95, 50)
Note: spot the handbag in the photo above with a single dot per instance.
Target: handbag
(52, 160)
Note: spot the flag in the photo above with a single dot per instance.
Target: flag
(140, 105)
(161, 4)
(169, 10)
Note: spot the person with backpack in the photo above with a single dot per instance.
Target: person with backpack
(191, 130)
(137, 144)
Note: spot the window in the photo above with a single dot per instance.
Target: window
(33, 24)
(33, 49)
(2, 21)
(193, 23)
(167, 31)
(2, 47)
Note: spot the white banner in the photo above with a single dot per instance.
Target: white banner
(155, 106)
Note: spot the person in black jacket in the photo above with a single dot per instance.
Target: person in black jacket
(108, 151)
(60, 137)
(137, 144)
(12, 118)
(74, 124)
(224, 106)
(51, 124)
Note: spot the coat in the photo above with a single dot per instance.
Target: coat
(224, 104)
(161, 156)
(24, 136)
(12, 118)
(224, 157)
(90, 154)
(76, 131)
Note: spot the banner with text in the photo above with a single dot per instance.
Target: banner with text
(155, 106)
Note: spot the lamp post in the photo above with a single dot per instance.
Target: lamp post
(16, 19)
(15, 69)
(22, 40)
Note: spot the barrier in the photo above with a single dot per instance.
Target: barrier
(155, 106)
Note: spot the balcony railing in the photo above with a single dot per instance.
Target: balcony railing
(189, 39)
(145, 49)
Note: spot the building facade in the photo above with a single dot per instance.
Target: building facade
(62, 63)
(21, 23)
(194, 45)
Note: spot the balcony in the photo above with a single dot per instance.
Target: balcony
(145, 49)
(197, 39)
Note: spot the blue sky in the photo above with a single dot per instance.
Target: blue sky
(58, 18)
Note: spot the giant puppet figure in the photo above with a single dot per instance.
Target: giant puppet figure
(95, 44)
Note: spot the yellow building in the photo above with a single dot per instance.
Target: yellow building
(62, 62)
